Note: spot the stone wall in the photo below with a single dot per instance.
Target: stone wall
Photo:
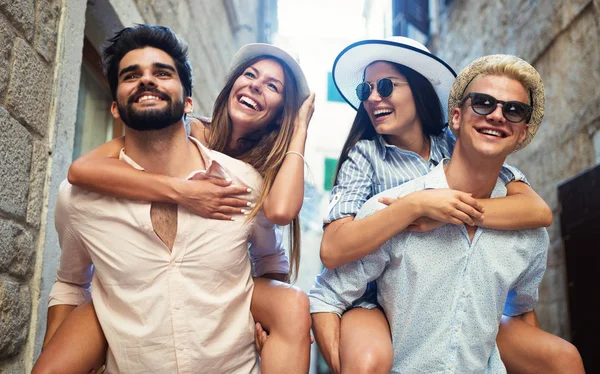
(40, 59)
(214, 31)
(562, 40)
(28, 40)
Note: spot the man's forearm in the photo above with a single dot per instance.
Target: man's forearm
(326, 328)
(56, 315)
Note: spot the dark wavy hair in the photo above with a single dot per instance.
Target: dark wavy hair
(428, 107)
(141, 36)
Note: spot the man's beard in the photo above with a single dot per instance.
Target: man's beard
(150, 118)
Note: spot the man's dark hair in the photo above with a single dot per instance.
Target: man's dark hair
(142, 36)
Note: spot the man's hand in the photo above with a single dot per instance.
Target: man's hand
(212, 198)
(444, 205)
(260, 337)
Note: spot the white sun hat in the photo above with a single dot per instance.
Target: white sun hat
(252, 50)
(350, 64)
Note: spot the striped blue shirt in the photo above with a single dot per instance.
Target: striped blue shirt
(374, 166)
(443, 295)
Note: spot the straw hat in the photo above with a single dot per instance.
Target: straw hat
(252, 50)
(534, 83)
(349, 66)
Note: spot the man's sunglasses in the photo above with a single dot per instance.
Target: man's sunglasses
(385, 86)
(513, 111)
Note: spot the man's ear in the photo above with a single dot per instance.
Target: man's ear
(114, 110)
(455, 120)
(523, 134)
(188, 105)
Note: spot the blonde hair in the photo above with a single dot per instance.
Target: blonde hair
(511, 67)
(264, 150)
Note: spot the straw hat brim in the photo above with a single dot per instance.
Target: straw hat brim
(477, 67)
(350, 64)
(252, 50)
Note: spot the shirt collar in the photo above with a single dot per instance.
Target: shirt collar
(435, 155)
(437, 179)
(213, 168)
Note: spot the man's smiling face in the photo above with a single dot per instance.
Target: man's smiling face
(491, 135)
(150, 95)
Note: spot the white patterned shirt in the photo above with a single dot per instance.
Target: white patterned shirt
(443, 295)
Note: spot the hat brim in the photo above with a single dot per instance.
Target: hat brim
(476, 68)
(252, 50)
(349, 67)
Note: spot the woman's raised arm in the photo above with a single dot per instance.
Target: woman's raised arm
(521, 209)
(285, 198)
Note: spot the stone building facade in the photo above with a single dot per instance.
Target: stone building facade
(42, 52)
(562, 40)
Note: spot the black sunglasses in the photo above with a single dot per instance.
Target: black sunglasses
(385, 86)
(484, 104)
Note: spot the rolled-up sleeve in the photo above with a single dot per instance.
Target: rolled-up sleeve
(523, 296)
(510, 173)
(335, 290)
(267, 252)
(354, 185)
(75, 271)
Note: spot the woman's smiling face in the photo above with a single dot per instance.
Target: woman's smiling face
(393, 115)
(256, 98)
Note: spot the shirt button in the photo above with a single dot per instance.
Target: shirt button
(457, 328)
(180, 347)
(176, 306)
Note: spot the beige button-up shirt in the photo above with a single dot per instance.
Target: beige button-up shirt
(180, 311)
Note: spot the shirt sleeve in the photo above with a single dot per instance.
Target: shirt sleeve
(510, 173)
(74, 274)
(523, 295)
(354, 185)
(267, 252)
(335, 290)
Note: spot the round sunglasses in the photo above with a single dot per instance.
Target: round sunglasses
(385, 86)
(484, 104)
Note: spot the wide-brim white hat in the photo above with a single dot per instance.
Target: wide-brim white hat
(252, 50)
(350, 64)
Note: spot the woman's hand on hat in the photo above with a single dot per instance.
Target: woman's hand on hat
(305, 113)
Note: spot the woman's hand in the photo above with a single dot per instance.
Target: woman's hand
(305, 113)
(444, 205)
(212, 198)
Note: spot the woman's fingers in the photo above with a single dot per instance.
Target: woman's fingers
(458, 218)
(387, 200)
(469, 200)
(469, 210)
(235, 203)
